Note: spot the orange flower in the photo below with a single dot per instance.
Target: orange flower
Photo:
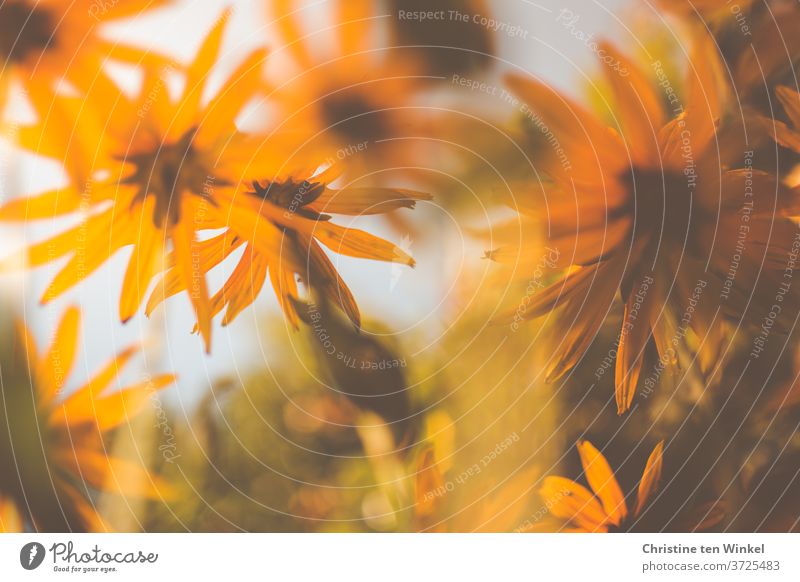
(655, 212)
(357, 95)
(160, 172)
(280, 235)
(44, 42)
(603, 508)
(54, 448)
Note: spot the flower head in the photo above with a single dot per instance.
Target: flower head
(45, 42)
(668, 210)
(59, 443)
(161, 172)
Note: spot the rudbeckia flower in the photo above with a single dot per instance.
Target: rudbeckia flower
(45, 42)
(162, 171)
(604, 508)
(355, 93)
(54, 443)
(281, 235)
(667, 209)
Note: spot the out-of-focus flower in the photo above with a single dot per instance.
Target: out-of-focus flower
(54, 447)
(160, 172)
(43, 43)
(500, 510)
(10, 519)
(446, 46)
(356, 94)
(603, 508)
(656, 211)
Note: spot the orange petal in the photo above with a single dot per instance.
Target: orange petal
(650, 478)
(638, 106)
(190, 269)
(602, 481)
(573, 502)
(634, 335)
(364, 201)
(324, 277)
(48, 204)
(196, 76)
(107, 412)
(240, 88)
(56, 365)
(359, 244)
(145, 261)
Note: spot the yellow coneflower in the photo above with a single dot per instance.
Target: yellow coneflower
(161, 172)
(45, 42)
(356, 94)
(603, 508)
(653, 212)
(281, 236)
(54, 446)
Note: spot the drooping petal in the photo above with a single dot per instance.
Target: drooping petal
(190, 269)
(145, 262)
(359, 244)
(634, 336)
(650, 478)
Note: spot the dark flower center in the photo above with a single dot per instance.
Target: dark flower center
(662, 204)
(169, 172)
(24, 30)
(353, 117)
(293, 196)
